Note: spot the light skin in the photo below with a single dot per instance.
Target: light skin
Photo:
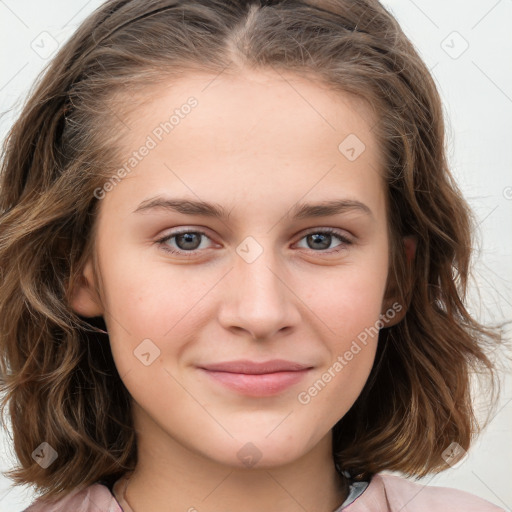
(257, 145)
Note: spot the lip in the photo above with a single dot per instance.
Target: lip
(257, 378)
(254, 367)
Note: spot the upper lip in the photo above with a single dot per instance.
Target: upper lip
(256, 368)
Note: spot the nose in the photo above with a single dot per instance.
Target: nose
(259, 298)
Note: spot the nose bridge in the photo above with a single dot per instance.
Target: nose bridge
(257, 270)
(260, 276)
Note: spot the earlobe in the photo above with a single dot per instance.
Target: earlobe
(394, 314)
(83, 297)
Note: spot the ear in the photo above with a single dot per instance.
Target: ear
(83, 298)
(393, 311)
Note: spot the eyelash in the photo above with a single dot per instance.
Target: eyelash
(330, 231)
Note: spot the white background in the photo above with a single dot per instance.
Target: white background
(476, 87)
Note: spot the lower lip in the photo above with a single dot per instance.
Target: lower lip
(266, 384)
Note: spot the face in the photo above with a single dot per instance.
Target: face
(259, 275)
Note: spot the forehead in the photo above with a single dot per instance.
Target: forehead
(289, 108)
(258, 132)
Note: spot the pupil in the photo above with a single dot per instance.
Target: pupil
(318, 238)
(189, 238)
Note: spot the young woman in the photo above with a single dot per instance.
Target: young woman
(234, 266)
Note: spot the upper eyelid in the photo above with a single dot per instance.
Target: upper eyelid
(334, 231)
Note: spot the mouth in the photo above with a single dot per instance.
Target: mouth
(256, 378)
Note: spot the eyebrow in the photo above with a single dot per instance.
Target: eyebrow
(299, 211)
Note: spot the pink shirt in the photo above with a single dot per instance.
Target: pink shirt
(385, 493)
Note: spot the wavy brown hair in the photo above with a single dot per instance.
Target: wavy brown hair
(58, 377)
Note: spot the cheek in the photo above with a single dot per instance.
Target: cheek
(351, 341)
(348, 304)
(347, 299)
(144, 296)
(155, 302)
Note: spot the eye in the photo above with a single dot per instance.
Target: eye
(188, 242)
(321, 239)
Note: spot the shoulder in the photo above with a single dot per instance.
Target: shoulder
(94, 498)
(398, 493)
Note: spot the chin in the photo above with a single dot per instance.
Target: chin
(256, 451)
